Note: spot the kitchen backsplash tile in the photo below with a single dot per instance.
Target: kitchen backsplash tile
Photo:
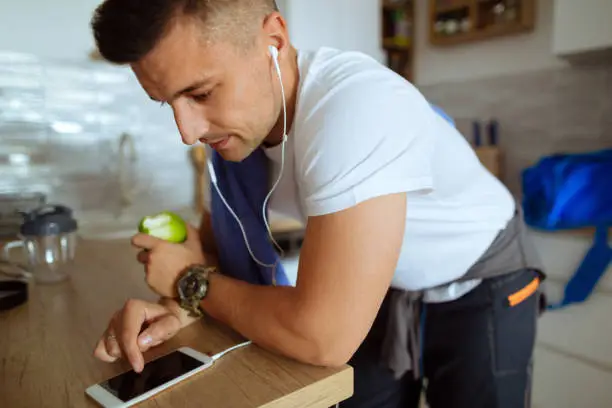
(60, 127)
(539, 113)
(60, 132)
(607, 107)
(580, 100)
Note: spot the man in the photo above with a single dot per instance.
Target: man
(399, 212)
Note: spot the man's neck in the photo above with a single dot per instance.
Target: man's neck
(291, 79)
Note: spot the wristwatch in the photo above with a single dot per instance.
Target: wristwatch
(192, 287)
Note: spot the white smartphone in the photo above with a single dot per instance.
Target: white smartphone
(130, 388)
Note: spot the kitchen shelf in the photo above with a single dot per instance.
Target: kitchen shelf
(454, 22)
(397, 36)
(453, 6)
(394, 5)
(393, 44)
(488, 33)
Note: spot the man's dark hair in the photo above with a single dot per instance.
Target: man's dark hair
(127, 30)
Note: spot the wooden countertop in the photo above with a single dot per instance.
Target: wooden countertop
(285, 225)
(46, 347)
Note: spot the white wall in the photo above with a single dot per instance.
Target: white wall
(343, 24)
(47, 28)
(503, 55)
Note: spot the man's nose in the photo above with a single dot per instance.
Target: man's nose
(191, 123)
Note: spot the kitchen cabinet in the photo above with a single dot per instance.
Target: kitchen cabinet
(582, 29)
(453, 22)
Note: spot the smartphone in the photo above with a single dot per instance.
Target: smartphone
(130, 388)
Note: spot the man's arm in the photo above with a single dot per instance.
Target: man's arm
(346, 265)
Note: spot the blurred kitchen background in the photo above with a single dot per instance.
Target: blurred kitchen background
(536, 74)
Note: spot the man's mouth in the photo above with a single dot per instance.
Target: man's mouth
(217, 143)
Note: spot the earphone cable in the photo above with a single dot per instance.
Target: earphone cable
(280, 175)
(246, 241)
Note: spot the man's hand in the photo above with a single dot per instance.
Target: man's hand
(164, 261)
(123, 337)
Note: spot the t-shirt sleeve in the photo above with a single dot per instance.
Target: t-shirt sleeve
(363, 140)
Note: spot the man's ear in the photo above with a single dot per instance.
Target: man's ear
(275, 27)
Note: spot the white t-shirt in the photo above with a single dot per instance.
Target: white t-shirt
(361, 131)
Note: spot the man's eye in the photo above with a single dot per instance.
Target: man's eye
(201, 97)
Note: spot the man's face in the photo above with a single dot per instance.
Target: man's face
(221, 94)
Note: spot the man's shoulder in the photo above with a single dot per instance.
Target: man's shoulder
(329, 70)
(335, 84)
(352, 96)
(359, 129)
(326, 61)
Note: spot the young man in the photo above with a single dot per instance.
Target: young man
(413, 256)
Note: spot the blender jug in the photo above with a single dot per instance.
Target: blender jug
(48, 239)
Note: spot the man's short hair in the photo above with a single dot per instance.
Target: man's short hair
(126, 30)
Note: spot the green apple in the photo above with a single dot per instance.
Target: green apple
(165, 225)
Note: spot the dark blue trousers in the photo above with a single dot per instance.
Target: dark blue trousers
(477, 351)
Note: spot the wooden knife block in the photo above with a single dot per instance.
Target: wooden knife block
(198, 159)
(491, 158)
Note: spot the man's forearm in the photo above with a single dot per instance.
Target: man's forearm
(267, 315)
(273, 317)
(270, 316)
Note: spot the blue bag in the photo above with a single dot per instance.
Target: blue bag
(570, 191)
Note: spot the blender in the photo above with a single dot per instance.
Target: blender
(48, 241)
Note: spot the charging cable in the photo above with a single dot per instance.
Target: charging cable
(224, 352)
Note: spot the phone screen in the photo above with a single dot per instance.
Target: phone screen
(131, 384)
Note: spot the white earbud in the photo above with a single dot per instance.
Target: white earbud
(211, 170)
(213, 177)
(273, 53)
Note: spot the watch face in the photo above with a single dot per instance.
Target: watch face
(190, 286)
(193, 285)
